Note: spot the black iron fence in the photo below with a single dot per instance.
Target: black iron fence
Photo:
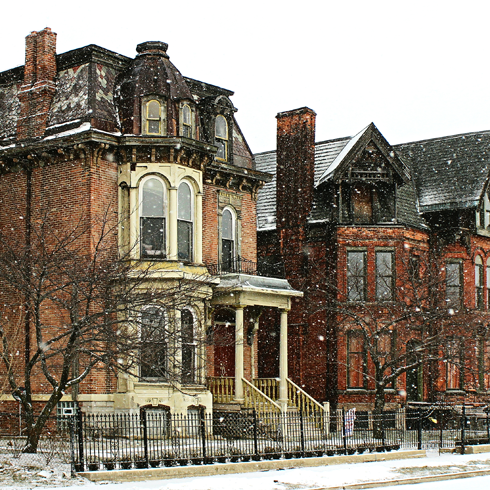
(157, 439)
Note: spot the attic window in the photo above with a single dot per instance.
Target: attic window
(221, 137)
(186, 121)
(367, 203)
(153, 117)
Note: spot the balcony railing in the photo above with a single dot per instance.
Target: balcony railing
(240, 265)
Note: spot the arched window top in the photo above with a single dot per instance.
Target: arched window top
(186, 124)
(488, 262)
(478, 260)
(221, 127)
(228, 224)
(153, 116)
(153, 197)
(185, 201)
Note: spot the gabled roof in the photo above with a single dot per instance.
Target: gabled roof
(331, 159)
(353, 149)
(449, 172)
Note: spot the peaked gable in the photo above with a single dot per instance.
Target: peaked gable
(364, 146)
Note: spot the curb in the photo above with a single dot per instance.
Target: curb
(407, 481)
(249, 467)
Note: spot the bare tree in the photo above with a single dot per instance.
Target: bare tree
(73, 305)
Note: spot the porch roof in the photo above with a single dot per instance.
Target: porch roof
(248, 290)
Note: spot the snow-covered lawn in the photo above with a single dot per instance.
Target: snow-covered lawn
(289, 479)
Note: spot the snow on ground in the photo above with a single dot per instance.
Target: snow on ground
(12, 477)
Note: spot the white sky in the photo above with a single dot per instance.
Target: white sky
(417, 69)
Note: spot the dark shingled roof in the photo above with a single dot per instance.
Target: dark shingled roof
(449, 172)
(326, 153)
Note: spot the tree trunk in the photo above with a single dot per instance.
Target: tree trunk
(379, 405)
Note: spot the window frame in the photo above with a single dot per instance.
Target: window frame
(151, 345)
(189, 346)
(359, 355)
(390, 287)
(232, 240)
(454, 370)
(146, 119)
(144, 254)
(189, 221)
(222, 141)
(187, 127)
(451, 285)
(479, 283)
(357, 278)
(484, 363)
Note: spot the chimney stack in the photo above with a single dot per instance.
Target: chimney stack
(295, 167)
(38, 88)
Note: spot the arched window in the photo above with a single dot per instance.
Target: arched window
(188, 347)
(153, 338)
(185, 222)
(186, 121)
(221, 137)
(227, 240)
(152, 219)
(153, 117)
(479, 301)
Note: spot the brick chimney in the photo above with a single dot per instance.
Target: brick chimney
(38, 88)
(295, 167)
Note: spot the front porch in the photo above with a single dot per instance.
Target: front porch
(232, 378)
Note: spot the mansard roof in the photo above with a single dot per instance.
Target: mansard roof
(449, 172)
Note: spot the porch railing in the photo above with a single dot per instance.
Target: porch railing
(256, 399)
(268, 386)
(299, 398)
(222, 389)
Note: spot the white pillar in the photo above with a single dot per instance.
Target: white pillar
(172, 223)
(283, 360)
(239, 371)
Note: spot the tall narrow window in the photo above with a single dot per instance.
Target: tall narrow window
(153, 351)
(221, 137)
(385, 284)
(454, 284)
(227, 240)
(479, 301)
(356, 275)
(356, 360)
(385, 350)
(152, 219)
(184, 222)
(153, 117)
(488, 283)
(484, 364)
(188, 347)
(186, 121)
(453, 365)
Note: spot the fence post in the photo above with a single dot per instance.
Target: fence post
(202, 428)
(145, 435)
(488, 428)
(419, 429)
(80, 438)
(344, 437)
(302, 431)
(72, 447)
(463, 427)
(256, 446)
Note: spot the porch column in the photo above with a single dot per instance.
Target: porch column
(283, 360)
(239, 371)
(172, 223)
